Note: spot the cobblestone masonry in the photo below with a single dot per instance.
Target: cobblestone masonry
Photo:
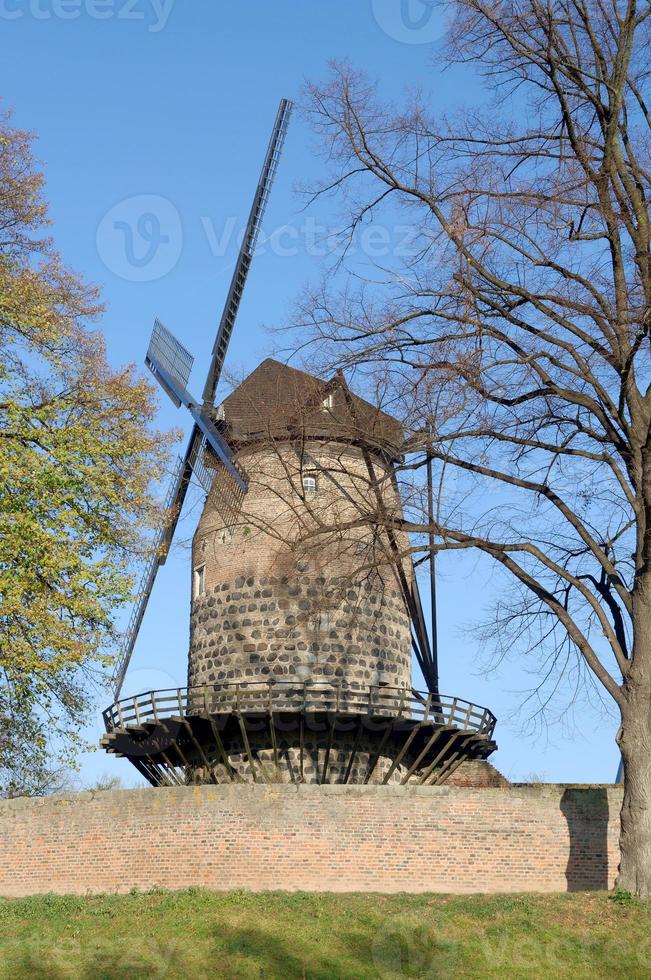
(260, 627)
(314, 761)
(315, 838)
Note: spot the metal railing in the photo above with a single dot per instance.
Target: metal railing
(292, 696)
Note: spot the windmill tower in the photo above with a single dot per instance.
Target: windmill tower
(305, 614)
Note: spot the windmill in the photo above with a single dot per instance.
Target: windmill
(171, 364)
(298, 669)
(209, 457)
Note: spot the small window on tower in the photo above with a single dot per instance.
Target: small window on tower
(309, 484)
(199, 581)
(325, 621)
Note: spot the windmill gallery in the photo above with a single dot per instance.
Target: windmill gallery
(300, 658)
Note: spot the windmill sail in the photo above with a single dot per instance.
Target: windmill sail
(251, 233)
(168, 352)
(425, 650)
(147, 577)
(406, 577)
(226, 494)
(228, 500)
(208, 456)
(171, 377)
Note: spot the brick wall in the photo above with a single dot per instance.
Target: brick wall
(317, 838)
(477, 774)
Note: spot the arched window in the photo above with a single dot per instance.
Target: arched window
(309, 484)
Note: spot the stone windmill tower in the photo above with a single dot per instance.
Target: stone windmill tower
(270, 608)
(304, 611)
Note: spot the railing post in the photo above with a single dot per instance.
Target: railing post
(453, 709)
(468, 710)
(401, 707)
(426, 709)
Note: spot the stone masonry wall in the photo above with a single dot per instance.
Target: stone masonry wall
(257, 628)
(333, 759)
(315, 838)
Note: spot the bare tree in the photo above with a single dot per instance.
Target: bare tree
(515, 343)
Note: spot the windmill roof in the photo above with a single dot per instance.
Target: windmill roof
(276, 401)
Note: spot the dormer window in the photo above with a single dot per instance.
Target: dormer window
(309, 484)
(328, 402)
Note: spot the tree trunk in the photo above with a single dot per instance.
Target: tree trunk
(635, 743)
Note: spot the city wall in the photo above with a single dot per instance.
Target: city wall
(317, 838)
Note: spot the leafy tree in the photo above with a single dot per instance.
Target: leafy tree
(78, 461)
(515, 341)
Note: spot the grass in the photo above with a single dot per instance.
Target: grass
(196, 934)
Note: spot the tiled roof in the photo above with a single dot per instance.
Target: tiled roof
(277, 400)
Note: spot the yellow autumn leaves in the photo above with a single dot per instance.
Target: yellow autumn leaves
(79, 463)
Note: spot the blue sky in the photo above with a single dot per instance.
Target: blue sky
(163, 108)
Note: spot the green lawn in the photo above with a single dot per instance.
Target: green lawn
(238, 934)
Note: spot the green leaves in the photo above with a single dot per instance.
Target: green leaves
(79, 462)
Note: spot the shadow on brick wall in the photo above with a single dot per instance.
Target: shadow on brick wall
(587, 815)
